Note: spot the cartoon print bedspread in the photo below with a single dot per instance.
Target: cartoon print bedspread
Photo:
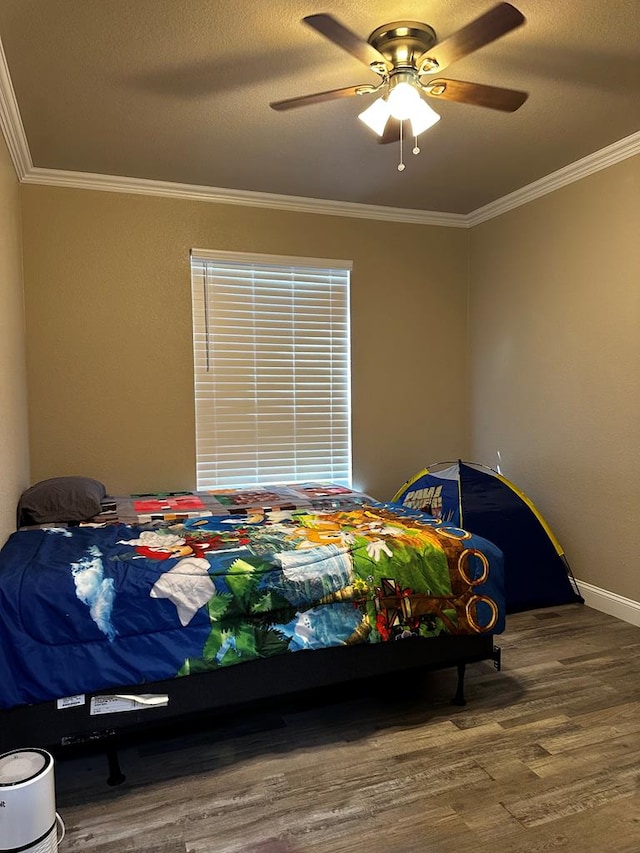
(86, 608)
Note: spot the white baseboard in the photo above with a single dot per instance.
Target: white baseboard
(610, 602)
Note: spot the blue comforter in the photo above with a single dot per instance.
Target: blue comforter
(85, 609)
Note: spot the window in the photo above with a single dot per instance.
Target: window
(272, 369)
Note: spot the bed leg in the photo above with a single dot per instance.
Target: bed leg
(497, 657)
(116, 776)
(459, 699)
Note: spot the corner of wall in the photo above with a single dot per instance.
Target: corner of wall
(14, 439)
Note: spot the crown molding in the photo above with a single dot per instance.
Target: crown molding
(614, 153)
(11, 122)
(167, 189)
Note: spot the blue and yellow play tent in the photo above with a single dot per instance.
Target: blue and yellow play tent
(484, 502)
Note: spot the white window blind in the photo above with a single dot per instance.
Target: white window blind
(272, 369)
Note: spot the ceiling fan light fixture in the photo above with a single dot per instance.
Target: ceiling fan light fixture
(376, 116)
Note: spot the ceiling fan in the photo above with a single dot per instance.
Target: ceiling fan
(408, 58)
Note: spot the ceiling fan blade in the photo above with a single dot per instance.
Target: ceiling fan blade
(495, 23)
(336, 32)
(508, 100)
(391, 132)
(319, 97)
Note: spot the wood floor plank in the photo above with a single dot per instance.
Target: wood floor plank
(577, 796)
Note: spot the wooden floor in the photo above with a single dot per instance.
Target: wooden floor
(544, 757)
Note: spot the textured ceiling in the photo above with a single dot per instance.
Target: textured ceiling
(179, 90)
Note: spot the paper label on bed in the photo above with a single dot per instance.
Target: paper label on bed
(70, 701)
(118, 704)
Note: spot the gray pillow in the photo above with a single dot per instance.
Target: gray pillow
(62, 499)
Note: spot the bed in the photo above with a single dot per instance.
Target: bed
(167, 605)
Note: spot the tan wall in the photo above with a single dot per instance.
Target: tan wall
(14, 444)
(555, 354)
(109, 333)
(554, 318)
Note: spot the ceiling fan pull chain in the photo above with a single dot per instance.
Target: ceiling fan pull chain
(416, 147)
(401, 163)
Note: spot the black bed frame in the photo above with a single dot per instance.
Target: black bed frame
(44, 725)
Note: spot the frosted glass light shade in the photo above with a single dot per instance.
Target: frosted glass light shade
(402, 101)
(376, 116)
(422, 117)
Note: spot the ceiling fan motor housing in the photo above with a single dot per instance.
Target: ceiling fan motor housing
(402, 43)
